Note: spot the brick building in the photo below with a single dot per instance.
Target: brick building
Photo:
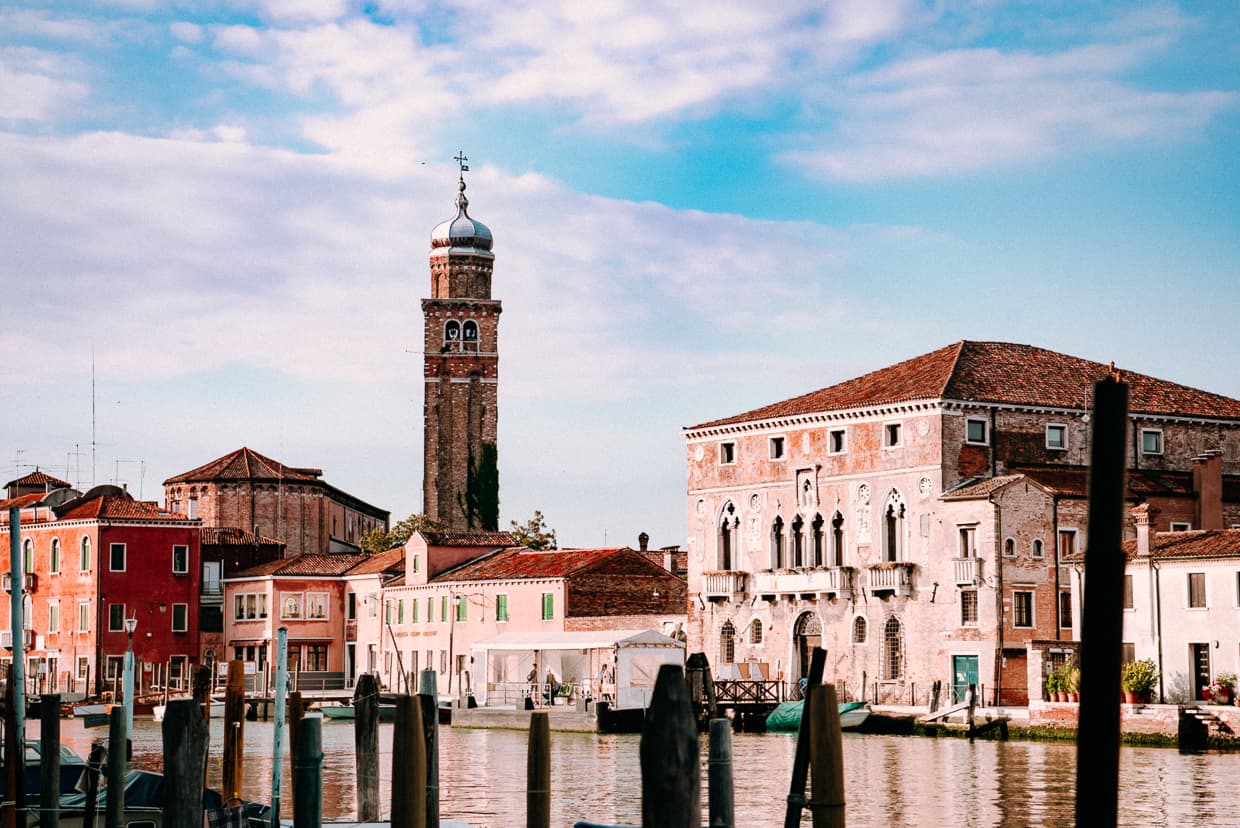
(913, 521)
(92, 561)
(460, 478)
(247, 491)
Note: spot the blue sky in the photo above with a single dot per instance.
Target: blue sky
(699, 207)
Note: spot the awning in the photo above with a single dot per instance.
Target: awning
(578, 640)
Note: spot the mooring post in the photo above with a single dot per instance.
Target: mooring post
(935, 690)
(671, 775)
(186, 737)
(308, 771)
(118, 743)
(972, 698)
(1102, 616)
(800, 761)
(408, 765)
(719, 790)
(538, 772)
(234, 731)
(296, 712)
(428, 700)
(277, 731)
(366, 746)
(94, 764)
(826, 759)
(49, 761)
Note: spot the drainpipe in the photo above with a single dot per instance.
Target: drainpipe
(1158, 625)
(999, 618)
(1055, 546)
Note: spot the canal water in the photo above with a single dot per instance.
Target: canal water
(890, 781)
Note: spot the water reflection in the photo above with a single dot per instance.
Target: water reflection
(890, 781)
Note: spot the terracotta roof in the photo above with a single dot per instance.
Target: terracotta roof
(39, 478)
(1219, 543)
(22, 501)
(994, 372)
(975, 488)
(233, 536)
(518, 562)
(391, 561)
(246, 464)
(304, 565)
(114, 507)
(469, 539)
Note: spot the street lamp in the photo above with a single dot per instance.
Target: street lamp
(131, 624)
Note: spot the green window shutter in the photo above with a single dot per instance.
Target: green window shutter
(400, 611)
(501, 607)
(413, 610)
(443, 609)
(387, 611)
(548, 606)
(462, 608)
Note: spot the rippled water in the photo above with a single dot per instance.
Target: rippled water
(889, 781)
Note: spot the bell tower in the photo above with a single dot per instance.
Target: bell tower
(460, 477)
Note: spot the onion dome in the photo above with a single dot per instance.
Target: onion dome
(461, 234)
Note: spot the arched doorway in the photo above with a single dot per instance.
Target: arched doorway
(806, 635)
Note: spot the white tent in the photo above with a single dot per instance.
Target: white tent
(622, 664)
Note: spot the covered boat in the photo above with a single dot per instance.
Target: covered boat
(787, 716)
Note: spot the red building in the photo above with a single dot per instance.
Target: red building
(90, 562)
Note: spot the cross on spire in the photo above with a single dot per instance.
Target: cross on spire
(460, 158)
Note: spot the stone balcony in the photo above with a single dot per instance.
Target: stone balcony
(723, 585)
(895, 577)
(809, 582)
(968, 571)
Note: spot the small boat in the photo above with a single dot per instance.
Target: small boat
(93, 715)
(346, 712)
(71, 767)
(217, 709)
(787, 716)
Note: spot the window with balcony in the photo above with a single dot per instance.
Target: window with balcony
(837, 540)
(729, 529)
(817, 551)
(893, 527)
(798, 541)
(966, 546)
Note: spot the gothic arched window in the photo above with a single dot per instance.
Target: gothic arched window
(837, 540)
(777, 544)
(798, 541)
(893, 527)
(816, 529)
(729, 528)
(727, 643)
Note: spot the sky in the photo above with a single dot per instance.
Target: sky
(698, 208)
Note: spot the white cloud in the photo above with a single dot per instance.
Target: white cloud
(186, 32)
(37, 86)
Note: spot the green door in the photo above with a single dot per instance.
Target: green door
(964, 669)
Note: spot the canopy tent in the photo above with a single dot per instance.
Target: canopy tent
(620, 663)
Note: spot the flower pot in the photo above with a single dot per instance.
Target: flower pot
(1075, 698)
(1131, 697)
(1061, 696)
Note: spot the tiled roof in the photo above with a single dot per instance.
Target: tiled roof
(245, 464)
(975, 488)
(518, 562)
(114, 507)
(22, 501)
(303, 565)
(1073, 481)
(391, 561)
(39, 478)
(233, 536)
(1219, 543)
(994, 372)
(469, 539)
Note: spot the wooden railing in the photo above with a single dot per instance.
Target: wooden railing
(745, 691)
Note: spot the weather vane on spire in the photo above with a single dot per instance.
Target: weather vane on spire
(460, 158)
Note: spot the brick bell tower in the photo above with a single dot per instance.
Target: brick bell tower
(460, 479)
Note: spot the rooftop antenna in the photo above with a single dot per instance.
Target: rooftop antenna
(92, 415)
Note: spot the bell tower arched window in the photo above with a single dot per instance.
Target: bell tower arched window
(469, 335)
(893, 527)
(451, 335)
(778, 560)
(729, 529)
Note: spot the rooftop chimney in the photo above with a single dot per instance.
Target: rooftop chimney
(1208, 489)
(643, 542)
(1143, 516)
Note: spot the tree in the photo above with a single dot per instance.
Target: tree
(534, 533)
(480, 501)
(381, 540)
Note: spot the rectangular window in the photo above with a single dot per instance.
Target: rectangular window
(55, 555)
(417, 562)
(891, 435)
(83, 667)
(316, 658)
(1177, 526)
(388, 611)
(116, 557)
(180, 560)
(727, 454)
(837, 441)
(316, 605)
(248, 606)
(400, 611)
(350, 606)
(1067, 543)
(548, 606)
(1065, 610)
(968, 607)
(413, 611)
(501, 605)
(115, 667)
(777, 448)
(84, 561)
(443, 609)
(1128, 592)
(430, 612)
(968, 541)
(116, 618)
(193, 508)
(180, 617)
(83, 616)
(1057, 437)
(53, 616)
(291, 605)
(1151, 441)
(1197, 590)
(975, 431)
(1022, 609)
(443, 661)
(462, 608)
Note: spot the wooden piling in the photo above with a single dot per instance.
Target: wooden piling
(935, 690)
(800, 761)
(234, 731)
(118, 744)
(1102, 617)
(972, 699)
(202, 689)
(719, 788)
(186, 737)
(15, 753)
(826, 759)
(308, 771)
(538, 772)
(366, 746)
(430, 734)
(408, 765)
(49, 761)
(671, 777)
(94, 763)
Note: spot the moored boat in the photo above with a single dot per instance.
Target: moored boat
(787, 716)
(346, 712)
(217, 710)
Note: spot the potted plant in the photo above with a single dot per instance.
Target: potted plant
(1071, 678)
(1223, 689)
(1137, 678)
(1053, 683)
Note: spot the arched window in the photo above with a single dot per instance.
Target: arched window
(893, 527)
(469, 335)
(1009, 548)
(860, 630)
(55, 562)
(729, 528)
(451, 334)
(755, 631)
(798, 541)
(816, 530)
(777, 543)
(893, 649)
(28, 555)
(1037, 548)
(837, 540)
(727, 643)
(84, 562)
